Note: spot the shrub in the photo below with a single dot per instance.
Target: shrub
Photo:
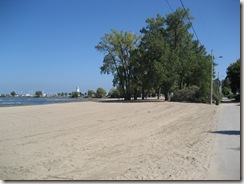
(237, 98)
(231, 96)
(190, 94)
(217, 97)
(225, 91)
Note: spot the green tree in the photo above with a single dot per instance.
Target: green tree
(91, 93)
(233, 74)
(154, 57)
(225, 83)
(169, 58)
(13, 93)
(118, 48)
(75, 94)
(100, 92)
(114, 93)
(38, 94)
(192, 64)
(225, 91)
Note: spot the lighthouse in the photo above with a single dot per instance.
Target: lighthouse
(77, 89)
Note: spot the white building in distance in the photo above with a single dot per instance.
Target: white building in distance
(77, 89)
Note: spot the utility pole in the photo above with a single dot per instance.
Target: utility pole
(212, 63)
(211, 92)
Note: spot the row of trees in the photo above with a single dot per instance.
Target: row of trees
(164, 58)
(37, 94)
(231, 84)
(233, 75)
(100, 92)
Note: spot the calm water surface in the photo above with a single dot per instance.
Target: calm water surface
(15, 101)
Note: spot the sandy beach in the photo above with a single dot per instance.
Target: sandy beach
(107, 141)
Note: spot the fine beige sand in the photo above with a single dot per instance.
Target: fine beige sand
(107, 141)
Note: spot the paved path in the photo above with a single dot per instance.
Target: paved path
(225, 163)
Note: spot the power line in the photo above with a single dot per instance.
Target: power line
(190, 22)
(203, 23)
(184, 16)
(170, 6)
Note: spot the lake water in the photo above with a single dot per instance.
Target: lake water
(16, 101)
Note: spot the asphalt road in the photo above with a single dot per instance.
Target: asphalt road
(225, 163)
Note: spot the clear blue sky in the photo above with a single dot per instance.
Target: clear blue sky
(49, 44)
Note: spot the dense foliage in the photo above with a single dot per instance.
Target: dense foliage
(118, 47)
(91, 93)
(190, 94)
(38, 94)
(225, 83)
(75, 94)
(233, 74)
(114, 93)
(13, 93)
(164, 59)
(100, 93)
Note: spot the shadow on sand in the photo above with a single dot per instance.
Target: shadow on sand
(227, 132)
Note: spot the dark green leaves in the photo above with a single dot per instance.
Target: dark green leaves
(166, 56)
(233, 73)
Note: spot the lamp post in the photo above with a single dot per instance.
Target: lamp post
(211, 92)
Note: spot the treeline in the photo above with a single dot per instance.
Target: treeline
(164, 59)
(99, 93)
(231, 84)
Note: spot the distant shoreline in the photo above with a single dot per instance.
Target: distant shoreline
(29, 101)
(61, 100)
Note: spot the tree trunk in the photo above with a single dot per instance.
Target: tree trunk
(143, 93)
(166, 95)
(159, 91)
(135, 94)
(127, 91)
(181, 83)
(127, 96)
